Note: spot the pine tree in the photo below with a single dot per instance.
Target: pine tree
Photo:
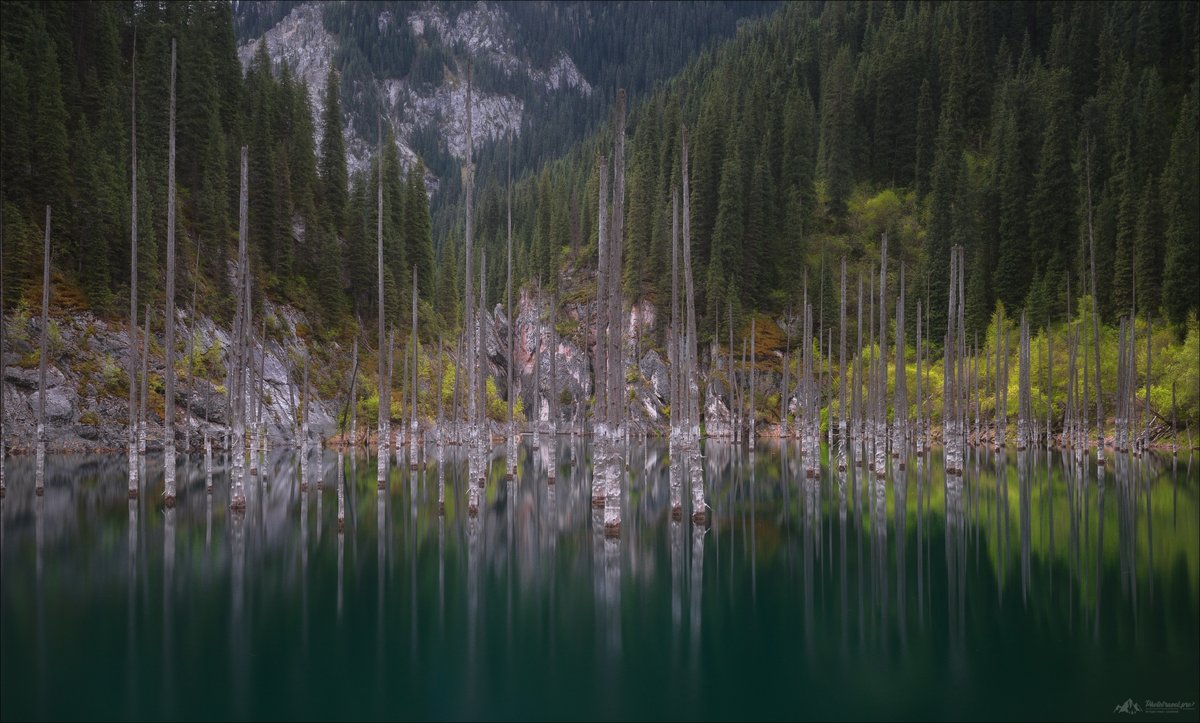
(837, 131)
(418, 232)
(726, 255)
(50, 179)
(334, 189)
(1052, 224)
(1181, 208)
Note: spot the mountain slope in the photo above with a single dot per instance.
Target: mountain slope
(537, 65)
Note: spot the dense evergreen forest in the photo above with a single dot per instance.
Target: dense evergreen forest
(67, 72)
(1018, 130)
(1012, 129)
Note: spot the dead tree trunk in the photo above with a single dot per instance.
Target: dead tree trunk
(553, 392)
(133, 281)
(841, 452)
(474, 462)
(238, 447)
(145, 392)
(3, 326)
(416, 354)
(900, 399)
(191, 357)
(600, 408)
(169, 316)
(920, 397)
(1095, 315)
(950, 436)
(691, 379)
(1024, 399)
(753, 402)
(510, 432)
(881, 434)
(40, 472)
(385, 396)
(616, 369)
(677, 406)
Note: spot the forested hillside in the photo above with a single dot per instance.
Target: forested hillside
(1014, 129)
(67, 79)
(1020, 130)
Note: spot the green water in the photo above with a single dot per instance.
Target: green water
(1055, 592)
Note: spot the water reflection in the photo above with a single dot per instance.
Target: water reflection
(915, 569)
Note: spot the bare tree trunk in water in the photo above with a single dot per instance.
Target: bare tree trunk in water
(416, 351)
(920, 428)
(673, 344)
(753, 402)
(145, 392)
(1095, 315)
(236, 373)
(511, 432)
(353, 403)
(537, 368)
(900, 400)
(474, 464)
(881, 432)
(691, 379)
(600, 408)
(385, 396)
(169, 316)
(554, 390)
(841, 451)
(40, 472)
(949, 412)
(616, 376)
(674, 347)
(191, 357)
(2, 327)
(134, 484)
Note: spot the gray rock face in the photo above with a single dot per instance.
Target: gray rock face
(654, 369)
(482, 31)
(718, 422)
(87, 402)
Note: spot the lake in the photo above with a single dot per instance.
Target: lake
(1032, 586)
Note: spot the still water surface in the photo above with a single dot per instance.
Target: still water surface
(1034, 587)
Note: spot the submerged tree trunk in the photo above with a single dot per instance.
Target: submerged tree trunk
(600, 408)
(900, 400)
(40, 471)
(238, 447)
(881, 433)
(416, 351)
(919, 430)
(554, 390)
(145, 392)
(841, 450)
(616, 368)
(1024, 399)
(691, 378)
(169, 316)
(510, 432)
(753, 402)
(1095, 314)
(673, 343)
(191, 357)
(134, 484)
(474, 464)
(385, 396)
(352, 403)
(3, 326)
